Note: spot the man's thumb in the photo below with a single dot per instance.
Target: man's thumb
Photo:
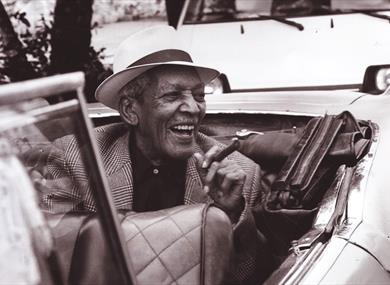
(198, 162)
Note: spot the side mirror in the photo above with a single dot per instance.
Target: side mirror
(376, 79)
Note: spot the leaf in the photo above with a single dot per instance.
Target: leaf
(25, 21)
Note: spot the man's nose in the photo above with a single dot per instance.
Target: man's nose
(189, 104)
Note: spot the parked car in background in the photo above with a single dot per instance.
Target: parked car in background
(286, 45)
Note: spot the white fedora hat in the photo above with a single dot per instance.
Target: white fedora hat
(143, 51)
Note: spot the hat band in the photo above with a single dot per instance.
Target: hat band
(163, 56)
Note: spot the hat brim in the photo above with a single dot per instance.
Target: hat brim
(107, 91)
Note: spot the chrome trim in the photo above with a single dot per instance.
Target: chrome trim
(353, 229)
(349, 87)
(241, 111)
(303, 265)
(354, 208)
(331, 251)
(328, 203)
(98, 114)
(44, 87)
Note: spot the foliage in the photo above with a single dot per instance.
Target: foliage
(36, 44)
(95, 72)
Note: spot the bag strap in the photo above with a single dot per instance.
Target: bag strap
(203, 244)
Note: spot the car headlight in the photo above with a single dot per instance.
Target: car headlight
(376, 79)
(218, 86)
(383, 78)
(214, 87)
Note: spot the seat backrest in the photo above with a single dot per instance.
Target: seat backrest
(180, 245)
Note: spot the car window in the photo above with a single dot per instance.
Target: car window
(227, 10)
(51, 182)
(361, 4)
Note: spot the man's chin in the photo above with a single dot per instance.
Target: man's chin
(180, 147)
(181, 153)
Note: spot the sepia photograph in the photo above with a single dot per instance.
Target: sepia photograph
(200, 142)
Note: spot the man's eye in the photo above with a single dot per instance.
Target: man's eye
(199, 97)
(171, 95)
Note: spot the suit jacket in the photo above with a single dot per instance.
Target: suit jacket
(68, 187)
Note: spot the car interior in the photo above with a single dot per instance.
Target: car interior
(117, 246)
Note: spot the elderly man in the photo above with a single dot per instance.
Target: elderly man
(157, 158)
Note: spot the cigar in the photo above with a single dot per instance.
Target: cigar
(227, 150)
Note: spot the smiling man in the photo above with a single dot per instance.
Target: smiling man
(157, 158)
(164, 106)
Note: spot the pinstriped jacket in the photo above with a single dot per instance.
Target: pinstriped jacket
(69, 187)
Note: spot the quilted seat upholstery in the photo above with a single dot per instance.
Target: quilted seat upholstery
(180, 245)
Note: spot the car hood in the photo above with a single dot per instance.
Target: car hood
(305, 102)
(302, 102)
(331, 50)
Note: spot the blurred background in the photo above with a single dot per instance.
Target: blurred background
(45, 37)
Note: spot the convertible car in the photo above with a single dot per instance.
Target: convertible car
(325, 217)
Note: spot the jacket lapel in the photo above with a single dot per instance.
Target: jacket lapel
(193, 185)
(119, 171)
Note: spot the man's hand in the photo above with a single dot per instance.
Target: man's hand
(223, 182)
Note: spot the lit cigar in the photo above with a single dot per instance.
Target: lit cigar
(227, 150)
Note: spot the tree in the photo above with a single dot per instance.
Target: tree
(71, 43)
(71, 36)
(14, 63)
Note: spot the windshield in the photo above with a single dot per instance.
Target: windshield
(47, 199)
(206, 11)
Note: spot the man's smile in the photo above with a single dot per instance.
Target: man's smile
(183, 130)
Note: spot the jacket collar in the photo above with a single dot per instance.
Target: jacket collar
(120, 159)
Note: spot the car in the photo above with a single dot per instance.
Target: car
(331, 229)
(285, 45)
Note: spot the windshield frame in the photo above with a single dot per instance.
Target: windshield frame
(72, 102)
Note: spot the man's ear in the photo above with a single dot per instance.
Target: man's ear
(127, 110)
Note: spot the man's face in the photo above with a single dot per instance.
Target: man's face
(170, 113)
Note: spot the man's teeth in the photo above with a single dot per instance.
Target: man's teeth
(184, 127)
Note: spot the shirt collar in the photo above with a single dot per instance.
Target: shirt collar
(143, 166)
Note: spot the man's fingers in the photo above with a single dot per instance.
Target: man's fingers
(209, 156)
(211, 173)
(222, 180)
(231, 176)
(227, 182)
(199, 160)
(223, 176)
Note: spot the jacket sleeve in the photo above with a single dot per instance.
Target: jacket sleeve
(251, 256)
(64, 185)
